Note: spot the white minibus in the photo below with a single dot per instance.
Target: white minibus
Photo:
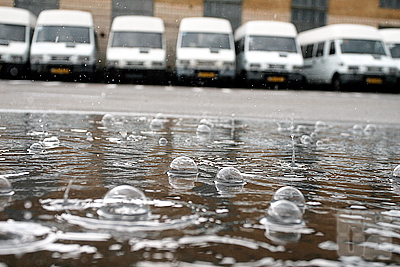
(391, 37)
(343, 54)
(136, 48)
(64, 43)
(267, 52)
(16, 30)
(205, 50)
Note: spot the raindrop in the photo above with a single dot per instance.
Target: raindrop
(124, 202)
(163, 141)
(396, 172)
(284, 212)
(320, 126)
(182, 166)
(292, 194)
(5, 187)
(89, 136)
(370, 129)
(36, 148)
(51, 142)
(306, 139)
(123, 133)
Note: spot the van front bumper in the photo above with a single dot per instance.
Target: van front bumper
(274, 77)
(13, 69)
(62, 69)
(370, 79)
(206, 74)
(136, 73)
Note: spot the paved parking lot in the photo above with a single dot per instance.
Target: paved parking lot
(197, 101)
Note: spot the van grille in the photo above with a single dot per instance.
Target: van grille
(60, 58)
(374, 69)
(205, 63)
(135, 63)
(277, 67)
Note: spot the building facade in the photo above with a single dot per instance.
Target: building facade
(305, 14)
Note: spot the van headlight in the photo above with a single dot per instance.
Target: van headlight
(184, 63)
(157, 64)
(228, 64)
(36, 58)
(255, 66)
(393, 70)
(353, 68)
(16, 59)
(112, 63)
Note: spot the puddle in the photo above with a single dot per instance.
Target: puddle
(155, 189)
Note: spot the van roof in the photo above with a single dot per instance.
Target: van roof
(339, 31)
(267, 28)
(390, 35)
(17, 16)
(138, 23)
(205, 24)
(62, 17)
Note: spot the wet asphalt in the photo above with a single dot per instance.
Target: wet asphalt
(305, 105)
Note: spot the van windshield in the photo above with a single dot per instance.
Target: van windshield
(10, 32)
(63, 34)
(206, 40)
(355, 46)
(395, 50)
(269, 43)
(137, 39)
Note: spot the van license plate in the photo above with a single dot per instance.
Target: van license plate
(276, 79)
(374, 80)
(208, 75)
(59, 71)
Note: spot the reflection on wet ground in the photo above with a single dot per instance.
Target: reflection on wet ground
(84, 190)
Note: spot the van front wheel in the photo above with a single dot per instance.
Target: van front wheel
(337, 83)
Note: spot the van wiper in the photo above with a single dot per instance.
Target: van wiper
(4, 42)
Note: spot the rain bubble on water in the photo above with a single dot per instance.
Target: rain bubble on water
(36, 148)
(229, 180)
(156, 124)
(284, 212)
(51, 142)
(183, 166)
(163, 141)
(89, 136)
(108, 119)
(203, 129)
(305, 139)
(396, 172)
(292, 194)
(207, 122)
(357, 129)
(126, 203)
(5, 187)
(370, 129)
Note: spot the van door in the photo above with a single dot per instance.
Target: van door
(331, 61)
(307, 51)
(319, 61)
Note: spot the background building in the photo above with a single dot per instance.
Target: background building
(305, 14)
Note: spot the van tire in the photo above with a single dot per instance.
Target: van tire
(336, 83)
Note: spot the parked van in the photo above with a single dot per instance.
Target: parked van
(64, 44)
(268, 52)
(205, 50)
(391, 37)
(136, 48)
(343, 54)
(16, 30)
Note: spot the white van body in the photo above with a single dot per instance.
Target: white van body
(136, 48)
(205, 49)
(16, 30)
(64, 44)
(268, 52)
(341, 54)
(391, 37)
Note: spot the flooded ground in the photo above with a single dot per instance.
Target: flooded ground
(60, 211)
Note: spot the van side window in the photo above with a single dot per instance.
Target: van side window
(239, 46)
(332, 50)
(308, 51)
(320, 49)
